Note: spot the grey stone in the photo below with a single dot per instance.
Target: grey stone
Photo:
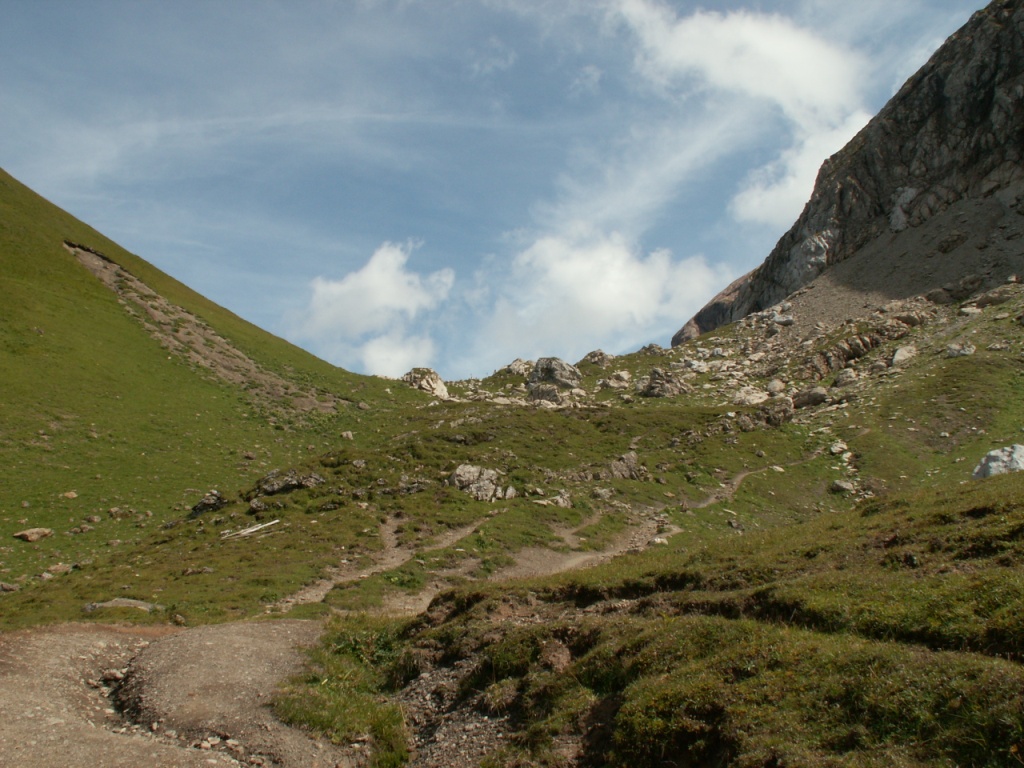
(961, 349)
(479, 482)
(552, 370)
(810, 397)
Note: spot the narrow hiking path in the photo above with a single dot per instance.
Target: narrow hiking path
(392, 555)
(201, 696)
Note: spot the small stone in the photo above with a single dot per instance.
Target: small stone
(842, 486)
(963, 349)
(845, 378)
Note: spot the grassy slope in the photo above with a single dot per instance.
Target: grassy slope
(93, 405)
(830, 633)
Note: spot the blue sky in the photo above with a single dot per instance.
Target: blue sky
(449, 183)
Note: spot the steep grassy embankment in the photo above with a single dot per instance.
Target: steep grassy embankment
(96, 414)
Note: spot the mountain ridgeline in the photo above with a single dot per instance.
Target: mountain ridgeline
(952, 134)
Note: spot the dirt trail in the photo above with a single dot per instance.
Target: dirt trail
(391, 556)
(199, 697)
(540, 561)
(50, 715)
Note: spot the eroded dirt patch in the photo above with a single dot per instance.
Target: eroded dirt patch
(186, 335)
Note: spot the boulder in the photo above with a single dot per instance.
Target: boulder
(627, 467)
(1000, 462)
(845, 378)
(599, 358)
(618, 380)
(776, 411)
(282, 482)
(1000, 295)
(962, 349)
(903, 354)
(810, 397)
(546, 393)
(842, 486)
(552, 370)
(518, 367)
(480, 483)
(211, 502)
(749, 396)
(33, 534)
(427, 380)
(660, 383)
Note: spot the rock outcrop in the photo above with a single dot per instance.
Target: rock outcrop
(481, 483)
(952, 133)
(427, 380)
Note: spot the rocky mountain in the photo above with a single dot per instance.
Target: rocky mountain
(927, 194)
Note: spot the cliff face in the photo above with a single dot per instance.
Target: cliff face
(954, 131)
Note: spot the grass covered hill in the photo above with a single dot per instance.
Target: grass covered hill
(763, 547)
(119, 397)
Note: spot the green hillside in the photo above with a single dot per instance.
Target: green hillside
(93, 406)
(810, 579)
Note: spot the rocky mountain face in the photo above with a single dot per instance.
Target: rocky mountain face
(946, 150)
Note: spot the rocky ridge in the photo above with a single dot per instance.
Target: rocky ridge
(949, 136)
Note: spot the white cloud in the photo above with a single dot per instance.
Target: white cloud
(814, 84)
(763, 56)
(394, 353)
(775, 193)
(367, 319)
(566, 297)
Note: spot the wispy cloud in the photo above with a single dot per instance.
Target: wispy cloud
(494, 56)
(814, 84)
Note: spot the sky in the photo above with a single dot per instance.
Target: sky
(449, 183)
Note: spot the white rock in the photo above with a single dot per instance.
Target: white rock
(964, 349)
(1000, 462)
(749, 396)
(903, 354)
(427, 380)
